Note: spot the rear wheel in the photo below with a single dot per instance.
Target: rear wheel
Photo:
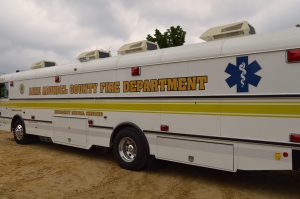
(20, 133)
(131, 149)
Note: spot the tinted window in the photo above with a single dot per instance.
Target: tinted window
(151, 46)
(3, 90)
(103, 54)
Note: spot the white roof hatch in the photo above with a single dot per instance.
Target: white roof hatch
(135, 47)
(231, 30)
(92, 55)
(42, 64)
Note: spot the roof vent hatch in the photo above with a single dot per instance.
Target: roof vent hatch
(135, 47)
(92, 55)
(231, 30)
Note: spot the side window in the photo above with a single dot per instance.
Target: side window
(151, 46)
(3, 90)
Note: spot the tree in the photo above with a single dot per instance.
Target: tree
(172, 37)
(298, 25)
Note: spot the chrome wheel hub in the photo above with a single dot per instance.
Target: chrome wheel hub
(19, 132)
(127, 149)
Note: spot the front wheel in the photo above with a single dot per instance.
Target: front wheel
(131, 149)
(20, 133)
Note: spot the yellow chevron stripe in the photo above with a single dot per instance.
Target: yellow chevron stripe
(251, 109)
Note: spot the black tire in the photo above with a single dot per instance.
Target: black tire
(134, 142)
(19, 132)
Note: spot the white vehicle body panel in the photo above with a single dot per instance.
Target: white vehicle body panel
(217, 126)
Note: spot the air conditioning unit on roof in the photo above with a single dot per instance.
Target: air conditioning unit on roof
(135, 47)
(42, 64)
(231, 30)
(92, 55)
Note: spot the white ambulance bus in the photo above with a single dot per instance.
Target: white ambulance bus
(229, 104)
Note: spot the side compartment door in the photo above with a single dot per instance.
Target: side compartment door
(70, 130)
(4, 123)
(78, 131)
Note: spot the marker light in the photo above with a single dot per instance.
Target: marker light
(11, 84)
(91, 122)
(285, 154)
(293, 55)
(164, 127)
(57, 79)
(295, 138)
(277, 156)
(136, 71)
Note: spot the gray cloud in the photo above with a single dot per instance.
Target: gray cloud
(95, 15)
(59, 30)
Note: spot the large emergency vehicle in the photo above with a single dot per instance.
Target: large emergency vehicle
(231, 103)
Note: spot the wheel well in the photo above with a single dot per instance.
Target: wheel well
(15, 118)
(122, 126)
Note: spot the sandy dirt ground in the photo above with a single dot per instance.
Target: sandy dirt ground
(43, 170)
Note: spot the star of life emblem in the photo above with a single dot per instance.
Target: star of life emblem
(243, 74)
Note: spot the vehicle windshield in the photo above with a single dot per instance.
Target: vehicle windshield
(3, 90)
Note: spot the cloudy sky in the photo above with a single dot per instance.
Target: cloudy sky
(58, 30)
